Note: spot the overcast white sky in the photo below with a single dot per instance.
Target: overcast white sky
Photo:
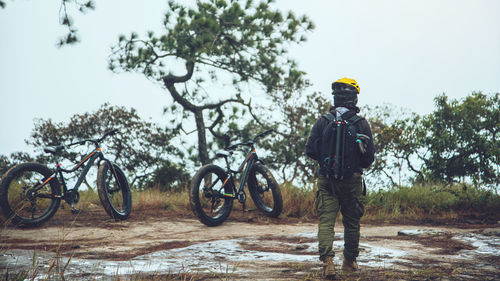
(400, 52)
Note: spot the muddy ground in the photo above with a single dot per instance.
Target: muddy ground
(246, 247)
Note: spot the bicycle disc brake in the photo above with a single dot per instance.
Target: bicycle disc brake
(207, 192)
(216, 202)
(27, 193)
(262, 188)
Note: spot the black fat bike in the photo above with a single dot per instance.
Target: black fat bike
(213, 189)
(30, 193)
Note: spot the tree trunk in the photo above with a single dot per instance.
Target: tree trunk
(170, 81)
(202, 138)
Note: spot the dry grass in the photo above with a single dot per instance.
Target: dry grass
(143, 200)
(155, 199)
(298, 202)
(432, 201)
(396, 204)
(419, 202)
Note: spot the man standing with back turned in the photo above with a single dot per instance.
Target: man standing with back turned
(342, 143)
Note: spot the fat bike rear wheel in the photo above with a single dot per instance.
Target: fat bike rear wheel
(29, 194)
(210, 195)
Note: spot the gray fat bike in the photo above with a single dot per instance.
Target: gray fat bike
(213, 189)
(30, 193)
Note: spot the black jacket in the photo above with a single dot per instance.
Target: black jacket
(314, 142)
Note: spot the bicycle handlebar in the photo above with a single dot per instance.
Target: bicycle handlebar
(249, 143)
(95, 141)
(233, 146)
(262, 134)
(109, 133)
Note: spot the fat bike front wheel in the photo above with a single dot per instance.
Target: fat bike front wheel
(114, 191)
(265, 191)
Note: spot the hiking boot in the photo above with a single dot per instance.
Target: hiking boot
(328, 268)
(349, 266)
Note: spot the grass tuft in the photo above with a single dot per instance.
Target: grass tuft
(156, 199)
(298, 202)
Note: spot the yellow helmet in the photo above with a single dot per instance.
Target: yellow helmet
(340, 85)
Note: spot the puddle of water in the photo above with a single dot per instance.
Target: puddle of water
(421, 232)
(485, 245)
(373, 256)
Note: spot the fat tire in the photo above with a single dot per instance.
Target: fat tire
(274, 187)
(104, 169)
(10, 175)
(194, 194)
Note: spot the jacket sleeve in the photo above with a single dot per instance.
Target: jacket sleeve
(314, 140)
(367, 158)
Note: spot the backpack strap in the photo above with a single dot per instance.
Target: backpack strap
(347, 115)
(330, 117)
(351, 117)
(354, 119)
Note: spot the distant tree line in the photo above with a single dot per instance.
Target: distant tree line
(457, 142)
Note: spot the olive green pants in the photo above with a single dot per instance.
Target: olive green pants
(344, 195)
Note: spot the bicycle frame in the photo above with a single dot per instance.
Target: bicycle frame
(250, 159)
(89, 160)
(245, 166)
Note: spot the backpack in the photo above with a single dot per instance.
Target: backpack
(339, 152)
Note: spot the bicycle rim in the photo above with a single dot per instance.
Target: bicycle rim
(211, 195)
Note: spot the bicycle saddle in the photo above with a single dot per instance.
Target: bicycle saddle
(53, 149)
(223, 153)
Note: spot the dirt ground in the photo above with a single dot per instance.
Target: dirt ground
(92, 234)
(249, 247)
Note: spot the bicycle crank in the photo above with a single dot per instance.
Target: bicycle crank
(72, 197)
(242, 197)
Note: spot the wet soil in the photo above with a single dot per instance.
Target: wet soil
(247, 246)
